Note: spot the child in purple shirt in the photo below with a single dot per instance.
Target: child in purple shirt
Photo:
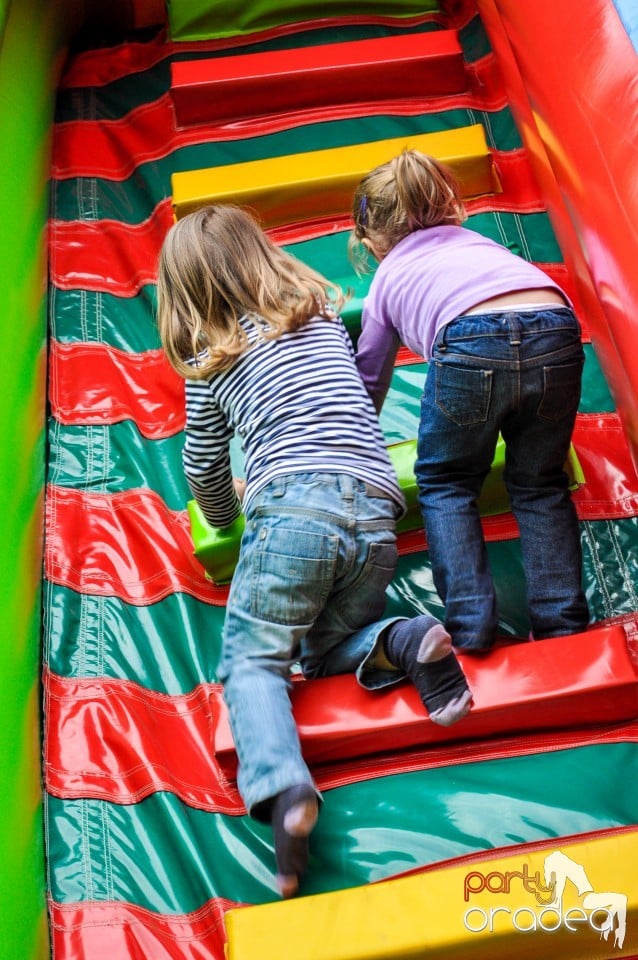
(505, 356)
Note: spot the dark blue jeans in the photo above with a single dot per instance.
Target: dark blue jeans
(520, 374)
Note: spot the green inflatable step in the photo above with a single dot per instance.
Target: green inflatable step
(217, 549)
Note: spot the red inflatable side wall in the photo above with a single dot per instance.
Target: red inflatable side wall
(571, 75)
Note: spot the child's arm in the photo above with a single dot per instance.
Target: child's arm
(376, 352)
(206, 456)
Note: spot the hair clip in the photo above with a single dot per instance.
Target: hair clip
(363, 210)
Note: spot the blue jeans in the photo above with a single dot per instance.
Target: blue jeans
(520, 374)
(317, 554)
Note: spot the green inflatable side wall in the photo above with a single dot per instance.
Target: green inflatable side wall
(29, 66)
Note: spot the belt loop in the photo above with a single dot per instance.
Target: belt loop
(514, 324)
(278, 487)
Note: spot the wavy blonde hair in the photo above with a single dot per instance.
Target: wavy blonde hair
(217, 266)
(410, 192)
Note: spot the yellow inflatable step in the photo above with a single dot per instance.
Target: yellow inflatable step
(484, 909)
(320, 184)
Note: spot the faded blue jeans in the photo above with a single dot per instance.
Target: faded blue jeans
(518, 373)
(317, 554)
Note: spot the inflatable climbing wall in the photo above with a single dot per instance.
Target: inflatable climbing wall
(424, 833)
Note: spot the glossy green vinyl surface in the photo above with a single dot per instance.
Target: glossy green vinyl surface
(201, 20)
(89, 636)
(160, 853)
(171, 859)
(134, 198)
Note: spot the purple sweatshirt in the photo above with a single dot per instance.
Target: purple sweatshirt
(428, 279)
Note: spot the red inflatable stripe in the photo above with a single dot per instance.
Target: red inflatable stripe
(128, 545)
(93, 383)
(99, 67)
(113, 257)
(156, 742)
(132, 546)
(611, 481)
(110, 930)
(183, 743)
(108, 256)
(113, 149)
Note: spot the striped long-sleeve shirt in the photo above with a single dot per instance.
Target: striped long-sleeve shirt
(297, 404)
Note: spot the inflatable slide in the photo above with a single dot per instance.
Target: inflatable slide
(123, 834)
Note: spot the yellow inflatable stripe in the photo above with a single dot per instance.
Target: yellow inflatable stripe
(486, 909)
(304, 186)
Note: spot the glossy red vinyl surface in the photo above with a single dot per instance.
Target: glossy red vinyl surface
(570, 73)
(108, 255)
(128, 545)
(94, 383)
(611, 481)
(105, 147)
(107, 931)
(119, 258)
(118, 741)
(584, 678)
(233, 88)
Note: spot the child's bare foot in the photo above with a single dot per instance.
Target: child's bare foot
(294, 815)
(423, 648)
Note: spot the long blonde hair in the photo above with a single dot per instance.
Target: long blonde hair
(408, 193)
(217, 266)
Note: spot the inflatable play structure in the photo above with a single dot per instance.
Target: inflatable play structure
(123, 835)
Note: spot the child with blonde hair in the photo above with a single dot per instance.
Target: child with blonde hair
(255, 334)
(505, 355)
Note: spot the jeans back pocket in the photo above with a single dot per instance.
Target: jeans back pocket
(463, 393)
(293, 574)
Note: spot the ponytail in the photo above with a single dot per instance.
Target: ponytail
(410, 192)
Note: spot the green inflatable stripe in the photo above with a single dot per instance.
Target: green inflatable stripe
(103, 636)
(128, 323)
(609, 565)
(430, 815)
(201, 20)
(114, 100)
(595, 394)
(171, 646)
(134, 199)
(115, 458)
(86, 316)
(474, 40)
